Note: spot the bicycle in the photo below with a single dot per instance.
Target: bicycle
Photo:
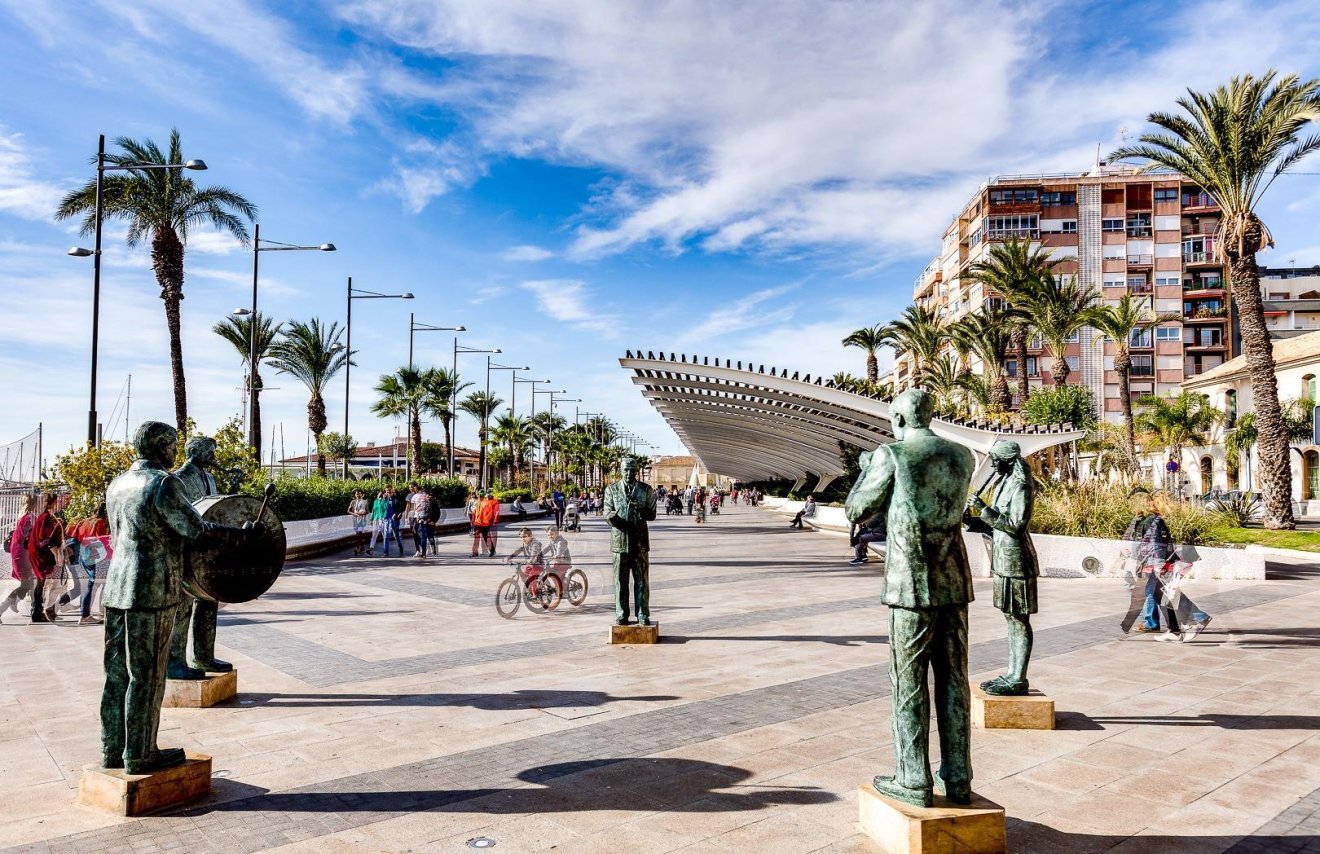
(574, 584)
(540, 589)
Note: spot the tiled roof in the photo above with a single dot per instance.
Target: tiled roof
(1287, 352)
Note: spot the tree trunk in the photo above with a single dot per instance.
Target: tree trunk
(1019, 341)
(256, 416)
(167, 263)
(415, 430)
(1060, 370)
(1123, 367)
(481, 460)
(999, 392)
(1273, 463)
(449, 444)
(316, 422)
(872, 367)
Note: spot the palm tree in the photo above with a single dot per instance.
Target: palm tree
(545, 425)
(442, 387)
(480, 405)
(311, 353)
(1227, 142)
(402, 393)
(920, 333)
(514, 432)
(1014, 269)
(238, 332)
(1059, 311)
(870, 339)
(1174, 423)
(988, 334)
(160, 205)
(941, 378)
(1118, 322)
(1240, 439)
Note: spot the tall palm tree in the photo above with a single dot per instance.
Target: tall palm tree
(942, 378)
(238, 332)
(1228, 142)
(1059, 310)
(546, 425)
(161, 205)
(988, 334)
(514, 432)
(1014, 269)
(480, 405)
(1174, 423)
(920, 333)
(311, 353)
(1240, 439)
(870, 339)
(442, 388)
(1119, 322)
(401, 394)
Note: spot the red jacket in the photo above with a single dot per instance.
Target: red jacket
(487, 513)
(47, 535)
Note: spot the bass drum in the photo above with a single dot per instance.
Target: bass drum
(220, 571)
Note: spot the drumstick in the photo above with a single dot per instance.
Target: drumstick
(270, 490)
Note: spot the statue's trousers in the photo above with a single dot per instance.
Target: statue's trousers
(632, 575)
(936, 638)
(137, 648)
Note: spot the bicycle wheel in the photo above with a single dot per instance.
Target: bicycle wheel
(508, 598)
(547, 595)
(576, 582)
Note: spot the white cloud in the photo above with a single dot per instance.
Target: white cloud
(754, 311)
(206, 241)
(22, 194)
(567, 301)
(526, 253)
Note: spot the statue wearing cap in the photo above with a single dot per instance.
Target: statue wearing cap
(1007, 519)
(199, 615)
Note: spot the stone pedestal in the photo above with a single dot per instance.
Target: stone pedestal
(200, 693)
(635, 634)
(114, 791)
(1032, 711)
(942, 828)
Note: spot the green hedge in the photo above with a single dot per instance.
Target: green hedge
(504, 496)
(318, 497)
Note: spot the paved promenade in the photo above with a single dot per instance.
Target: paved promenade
(385, 706)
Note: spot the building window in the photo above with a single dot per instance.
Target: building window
(1053, 198)
(1166, 281)
(1014, 197)
(1230, 406)
(1166, 194)
(1036, 342)
(1074, 338)
(974, 239)
(1310, 475)
(1025, 225)
(1207, 475)
(1111, 225)
(1073, 362)
(1010, 369)
(1140, 338)
(1033, 369)
(1308, 386)
(1069, 226)
(1142, 366)
(1168, 333)
(1138, 225)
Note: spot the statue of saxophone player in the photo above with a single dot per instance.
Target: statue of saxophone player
(152, 523)
(914, 490)
(1007, 519)
(629, 505)
(200, 614)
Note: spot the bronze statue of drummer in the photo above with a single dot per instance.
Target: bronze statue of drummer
(198, 613)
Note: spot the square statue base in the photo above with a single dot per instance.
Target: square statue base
(942, 828)
(200, 693)
(112, 790)
(1032, 711)
(635, 634)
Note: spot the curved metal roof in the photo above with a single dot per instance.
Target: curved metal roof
(750, 424)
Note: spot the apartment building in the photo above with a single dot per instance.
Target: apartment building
(1292, 300)
(1118, 231)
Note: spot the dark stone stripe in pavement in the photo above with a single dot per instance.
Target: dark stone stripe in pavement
(278, 818)
(1296, 830)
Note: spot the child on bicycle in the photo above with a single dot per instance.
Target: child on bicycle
(529, 555)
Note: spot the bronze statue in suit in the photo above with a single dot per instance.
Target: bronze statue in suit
(629, 505)
(151, 524)
(199, 614)
(1007, 519)
(914, 490)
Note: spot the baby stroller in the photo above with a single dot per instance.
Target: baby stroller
(572, 521)
(674, 505)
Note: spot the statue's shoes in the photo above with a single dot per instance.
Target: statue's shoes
(158, 760)
(213, 665)
(622, 623)
(1004, 687)
(989, 683)
(643, 622)
(959, 793)
(182, 671)
(891, 788)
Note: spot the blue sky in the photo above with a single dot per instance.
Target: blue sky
(568, 180)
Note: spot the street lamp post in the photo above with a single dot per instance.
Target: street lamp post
(513, 401)
(414, 327)
(453, 398)
(485, 421)
(552, 412)
(254, 435)
(545, 440)
(352, 294)
(95, 254)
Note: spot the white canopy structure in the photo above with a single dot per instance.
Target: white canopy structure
(752, 424)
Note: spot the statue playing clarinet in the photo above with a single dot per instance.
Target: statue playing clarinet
(1013, 564)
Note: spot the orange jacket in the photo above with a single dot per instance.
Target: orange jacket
(487, 513)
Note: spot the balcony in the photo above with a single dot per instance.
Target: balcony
(1202, 314)
(1203, 258)
(1010, 233)
(1139, 231)
(1197, 200)
(1140, 260)
(1143, 289)
(1201, 228)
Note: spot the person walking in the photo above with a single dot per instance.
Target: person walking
(557, 504)
(398, 510)
(360, 509)
(484, 518)
(93, 538)
(433, 522)
(19, 560)
(689, 495)
(380, 524)
(421, 509)
(46, 551)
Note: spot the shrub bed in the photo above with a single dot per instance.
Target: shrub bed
(318, 497)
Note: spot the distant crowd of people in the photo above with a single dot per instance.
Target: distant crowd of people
(49, 552)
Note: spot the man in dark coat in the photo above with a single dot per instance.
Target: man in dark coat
(914, 491)
(629, 505)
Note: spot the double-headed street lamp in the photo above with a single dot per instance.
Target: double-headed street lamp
(552, 421)
(453, 397)
(356, 293)
(485, 421)
(95, 254)
(513, 398)
(254, 437)
(415, 327)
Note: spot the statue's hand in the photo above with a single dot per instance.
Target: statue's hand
(977, 503)
(255, 529)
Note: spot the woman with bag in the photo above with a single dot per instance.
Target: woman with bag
(46, 551)
(19, 559)
(93, 538)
